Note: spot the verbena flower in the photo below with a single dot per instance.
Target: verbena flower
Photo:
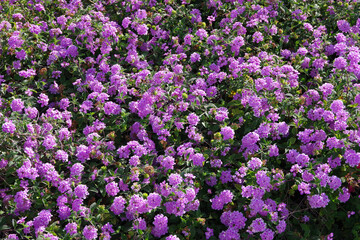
(118, 205)
(258, 225)
(49, 142)
(90, 232)
(318, 200)
(160, 225)
(81, 191)
(140, 224)
(112, 189)
(17, 105)
(227, 132)
(9, 127)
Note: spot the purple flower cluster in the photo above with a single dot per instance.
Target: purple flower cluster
(318, 200)
(160, 225)
(90, 232)
(223, 198)
(227, 132)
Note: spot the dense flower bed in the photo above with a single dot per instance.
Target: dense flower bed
(179, 119)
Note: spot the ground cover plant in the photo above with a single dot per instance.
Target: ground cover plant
(179, 119)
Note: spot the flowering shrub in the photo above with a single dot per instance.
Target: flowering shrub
(179, 119)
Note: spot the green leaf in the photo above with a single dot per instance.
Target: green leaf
(291, 141)
(306, 229)
(238, 187)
